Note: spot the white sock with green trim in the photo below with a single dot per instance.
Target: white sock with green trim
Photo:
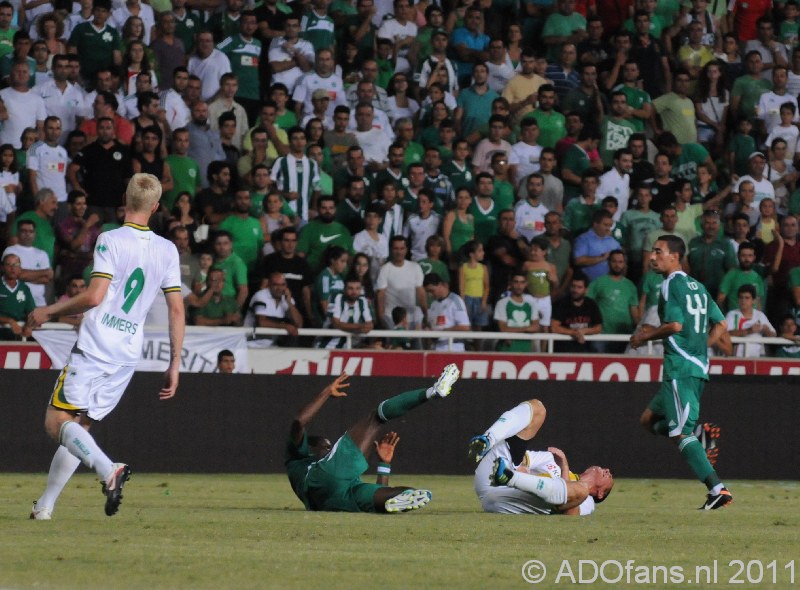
(511, 422)
(62, 467)
(81, 444)
(551, 490)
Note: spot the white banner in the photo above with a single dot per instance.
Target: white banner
(199, 354)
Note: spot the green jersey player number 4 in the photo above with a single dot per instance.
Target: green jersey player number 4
(691, 322)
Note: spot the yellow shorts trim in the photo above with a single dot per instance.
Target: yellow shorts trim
(57, 400)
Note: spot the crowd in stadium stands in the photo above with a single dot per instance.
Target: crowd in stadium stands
(358, 164)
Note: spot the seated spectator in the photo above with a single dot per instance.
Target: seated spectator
(273, 307)
(400, 319)
(77, 235)
(214, 308)
(16, 301)
(518, 312)
(789, 331)
(750, 323)
(299, 276)
(226, 362)
(36, 271)
(576, 316)
(75, 285)
(350, 311)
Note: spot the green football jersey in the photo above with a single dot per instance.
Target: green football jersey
(317, 236)
(651, 287)
(615, 298)
(485, 220)
(15, 304)
(318, 30)
(685, 165)
(687, 302)
(248, 238)
(95, 48)
(516, 315)
(244, 56)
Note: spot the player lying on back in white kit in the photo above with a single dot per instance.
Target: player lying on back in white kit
(542, 483)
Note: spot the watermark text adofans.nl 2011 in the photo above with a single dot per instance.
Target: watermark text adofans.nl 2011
(617, 572)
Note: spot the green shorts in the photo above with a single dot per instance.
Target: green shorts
(334, 482)
(678, 400)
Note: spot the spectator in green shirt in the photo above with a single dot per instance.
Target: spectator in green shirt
(214, 308)
(235, 269)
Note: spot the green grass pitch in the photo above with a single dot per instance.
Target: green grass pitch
(249, 531)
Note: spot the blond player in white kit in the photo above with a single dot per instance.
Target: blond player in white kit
(131, 266)
(542, 483)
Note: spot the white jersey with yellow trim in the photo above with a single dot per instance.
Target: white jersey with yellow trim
(139, 263)
(544, 464)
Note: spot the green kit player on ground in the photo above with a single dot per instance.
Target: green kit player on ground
(687, 311)
(328, 478)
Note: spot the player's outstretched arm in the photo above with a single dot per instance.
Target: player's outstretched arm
(177, 327)
(385, 451)
(310, 410)
(81, 303)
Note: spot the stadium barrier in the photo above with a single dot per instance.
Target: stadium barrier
(239, 423)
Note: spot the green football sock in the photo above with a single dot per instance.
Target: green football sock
(695, 455)
(396, 406)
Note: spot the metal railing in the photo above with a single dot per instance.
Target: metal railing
(450, 337)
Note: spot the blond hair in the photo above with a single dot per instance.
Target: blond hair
(144, 191)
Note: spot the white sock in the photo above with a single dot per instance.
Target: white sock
(511, 422)
(551, 490)
(81, 444)
(62, 467)
(716, 489)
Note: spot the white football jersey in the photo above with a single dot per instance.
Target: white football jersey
(544, 463)
(139, 264)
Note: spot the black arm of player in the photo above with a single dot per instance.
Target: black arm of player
(310, 410)
(385, 451)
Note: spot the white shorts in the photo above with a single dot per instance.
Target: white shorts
(89, 385)
(545, 307)
(503, 499)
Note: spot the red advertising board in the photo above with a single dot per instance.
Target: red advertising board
(495, 366)
(369, 363)
(22, 356)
